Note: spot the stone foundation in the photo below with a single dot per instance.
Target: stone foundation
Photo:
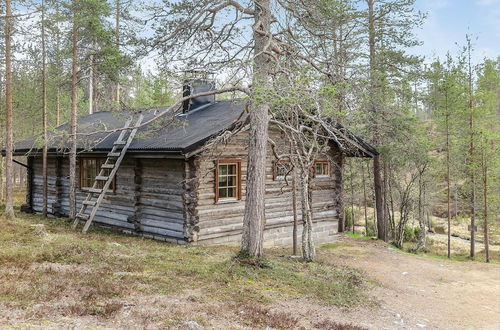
(282, 236)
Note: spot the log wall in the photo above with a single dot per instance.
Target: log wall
(148, 198)
(174, 199)
(222, 222)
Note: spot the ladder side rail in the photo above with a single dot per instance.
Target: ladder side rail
(111, 175)
(84, 206)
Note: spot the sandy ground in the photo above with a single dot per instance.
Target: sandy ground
(409, 292)
(421, 292)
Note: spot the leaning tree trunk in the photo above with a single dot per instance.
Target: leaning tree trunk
(254, 218)
(74, 114)
(9, 200)
(308, 249)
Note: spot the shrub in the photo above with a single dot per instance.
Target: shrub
(411, 234)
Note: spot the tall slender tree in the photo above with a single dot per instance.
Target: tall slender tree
(9, 200)
(472, 148)
(74, 109)
(389, 25)
(44, 111)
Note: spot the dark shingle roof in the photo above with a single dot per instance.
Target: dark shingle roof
(170, 134)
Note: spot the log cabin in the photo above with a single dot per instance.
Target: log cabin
(174, 184)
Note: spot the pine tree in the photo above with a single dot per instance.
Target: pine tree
(9, 200)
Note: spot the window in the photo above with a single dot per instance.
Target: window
(89, 169)
(321, 169)
(228, 180)
(282, 170)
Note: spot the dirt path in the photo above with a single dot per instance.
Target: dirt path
(421, 292)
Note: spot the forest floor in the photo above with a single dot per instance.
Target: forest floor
(52, 277)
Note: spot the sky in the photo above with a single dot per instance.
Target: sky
(448, 22)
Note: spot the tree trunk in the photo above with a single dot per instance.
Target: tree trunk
(365, 200)
(485, 197)
(379, 202)
(44, 115)
(377, 177)
(308, 249)
(471, 157)
(117, 37)
(448, 182)
(58, 106)
(352, 197)
(91, 85)
(74, 115)
(9, 200)
(59, 65)
(339, 184)
(254, 218)
(294, 207)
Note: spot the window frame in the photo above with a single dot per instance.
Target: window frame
(328, 166)
(236, 162)
(81, 179)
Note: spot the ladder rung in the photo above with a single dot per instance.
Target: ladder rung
(94, 190)
(120, 143)
(108, 166)
(114, 154)
(82, 216)
(102, 178)
(92, 203)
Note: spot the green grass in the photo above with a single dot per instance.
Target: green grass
(43, 260)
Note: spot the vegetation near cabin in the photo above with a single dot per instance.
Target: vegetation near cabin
(249, 164)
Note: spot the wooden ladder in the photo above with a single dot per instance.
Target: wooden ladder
(107, 173)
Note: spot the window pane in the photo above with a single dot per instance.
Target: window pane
(222, 169)
(231, 181)
(222, 192)
(222, 181)
(231, 192)
(91, 167)
(322, 169)
(231, 169)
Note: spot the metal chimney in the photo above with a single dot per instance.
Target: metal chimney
(197, 82)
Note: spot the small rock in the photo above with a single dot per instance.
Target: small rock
(421, 325)
(192, 325)
(114, 244)
(405, 273)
